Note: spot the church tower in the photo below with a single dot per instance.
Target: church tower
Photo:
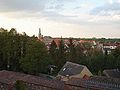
(40, 36)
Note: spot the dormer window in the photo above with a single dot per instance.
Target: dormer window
(64, 69)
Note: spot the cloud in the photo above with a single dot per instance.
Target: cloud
(108, 9)
(22, 5)
(30, 8)
(48, 9)
(59, 10)
(30, 5)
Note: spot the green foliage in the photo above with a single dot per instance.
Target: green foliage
(36, 58)
(19, 52)
(71, 55)
(19, 85)
(61, 54)
(96, 62)
(10, 49)
(53, 52)
(116, 52)
(58, 56)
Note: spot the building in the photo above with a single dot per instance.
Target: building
(109, 47)
(93, 83)
(40, 83)
(47, 40)
(70, 70)
(40, 36)
(9, 78)
(112, 73)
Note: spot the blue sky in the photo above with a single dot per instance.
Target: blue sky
(67, 18)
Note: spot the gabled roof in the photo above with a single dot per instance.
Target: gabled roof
(40, 81)
(95, 82)
(10, 77)
(71, 69)
(57, 41)
(113, 73)
(104, 79)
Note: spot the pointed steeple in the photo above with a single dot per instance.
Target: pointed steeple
(39, 31)
(40, 36)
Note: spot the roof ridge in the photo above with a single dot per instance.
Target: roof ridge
(75, 64)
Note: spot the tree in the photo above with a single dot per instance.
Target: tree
(61, 54)
(116, 52)
(72, 51)
(3, 48)
(36, 58)
(9, 52)
(95, 60)
(80, 56)
(20, 85)
(53, 52)
(118, 62)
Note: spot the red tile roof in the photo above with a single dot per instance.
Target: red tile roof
(57, 41)
(43, 82)
(95, 82)
(10, 77)
(113, 73)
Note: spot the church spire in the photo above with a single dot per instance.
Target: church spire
(39, 31)
(40, 35)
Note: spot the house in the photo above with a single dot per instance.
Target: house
(8, 80)
(113, 73)
(47, 40)
(109, 47)
(70, 70)
(39, 83)
(93, 83)
(57, 41)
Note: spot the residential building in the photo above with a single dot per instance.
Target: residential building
(112, 73)
(47, 40)
(108, 48)
(9, 78)
(70, 70)
(93, 83)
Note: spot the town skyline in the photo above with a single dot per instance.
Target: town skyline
(73, 18)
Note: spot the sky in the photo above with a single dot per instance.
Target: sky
(66, 18)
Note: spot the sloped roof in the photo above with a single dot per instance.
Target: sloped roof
(57, 41)
(71, 69)
(50, 83)
(114, 73)
(95, 82)
(75, 82)
(104, 79)
(10, 77)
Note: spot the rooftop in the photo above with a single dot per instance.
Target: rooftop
(71, 69)
(10, 77)
(114, 73)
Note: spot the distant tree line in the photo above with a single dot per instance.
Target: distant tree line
(20, 52)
